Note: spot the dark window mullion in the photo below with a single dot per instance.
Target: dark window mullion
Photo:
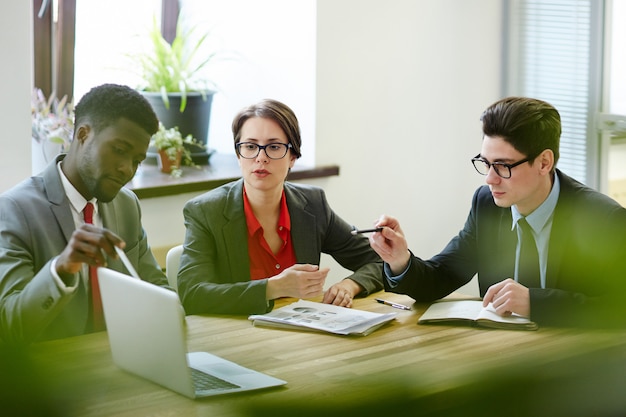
(65, 39)
(169, 18)
(42, 48)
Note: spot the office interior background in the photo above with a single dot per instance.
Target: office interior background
(391, 92)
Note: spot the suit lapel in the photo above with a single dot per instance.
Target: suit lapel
(561, 228)
(59, 204)
(235, 232)
(507, 244)
(109, 219)
(303, 227)
(107, 212)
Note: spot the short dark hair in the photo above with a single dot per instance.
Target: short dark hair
(104, 105)
(529, 124)
(276, 111)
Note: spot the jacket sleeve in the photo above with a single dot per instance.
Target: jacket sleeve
(206, 281)
(29, 298)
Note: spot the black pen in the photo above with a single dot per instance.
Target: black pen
(394, 305)
(356, 231)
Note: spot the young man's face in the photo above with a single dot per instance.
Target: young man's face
(526, 188)
(110, 158)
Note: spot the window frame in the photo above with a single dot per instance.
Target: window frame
(515, 83)
(54, 43)
(53, 47)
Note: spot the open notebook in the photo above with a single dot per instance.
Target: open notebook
(146, 327)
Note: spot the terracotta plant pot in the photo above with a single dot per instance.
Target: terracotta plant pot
(165, 164)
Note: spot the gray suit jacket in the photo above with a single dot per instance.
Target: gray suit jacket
(214, 274)
(35, 226)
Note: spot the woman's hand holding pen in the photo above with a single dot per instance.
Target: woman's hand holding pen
(390, 244)
(298, 281)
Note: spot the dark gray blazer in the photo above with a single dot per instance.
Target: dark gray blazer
(214, 274)
(586, 271)
(35, 226)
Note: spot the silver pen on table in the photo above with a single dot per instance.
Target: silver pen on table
(392, 304)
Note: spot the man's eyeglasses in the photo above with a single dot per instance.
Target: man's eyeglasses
(504, 170)
(249, 150)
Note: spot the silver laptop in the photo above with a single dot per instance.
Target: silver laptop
(146, 327)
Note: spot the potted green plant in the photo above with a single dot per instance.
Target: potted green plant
(171, 150)
(174, 85)
(52, 127)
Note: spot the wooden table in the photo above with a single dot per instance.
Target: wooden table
(401, 368)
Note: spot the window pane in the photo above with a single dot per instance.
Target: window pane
(269, 52)
(107, 33)
(551, 58)
(614, 133)
(617, 77)
(270, 46)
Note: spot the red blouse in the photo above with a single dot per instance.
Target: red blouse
(264, 263)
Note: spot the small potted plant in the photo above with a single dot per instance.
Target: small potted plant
(172, 152)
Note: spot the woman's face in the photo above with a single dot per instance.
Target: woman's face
(263, 173)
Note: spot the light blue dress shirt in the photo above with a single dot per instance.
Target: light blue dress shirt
(540, 221)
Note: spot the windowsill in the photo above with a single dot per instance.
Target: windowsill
(149, 182)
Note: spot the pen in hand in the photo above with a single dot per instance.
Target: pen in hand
(126, 262)
(356, 231)
(392, 304)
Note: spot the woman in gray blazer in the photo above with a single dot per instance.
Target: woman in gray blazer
(259, 238)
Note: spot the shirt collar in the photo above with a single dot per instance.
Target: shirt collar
(77, 201)
(284, 220)
(540, 216)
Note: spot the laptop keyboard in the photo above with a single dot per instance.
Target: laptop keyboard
(204, 382)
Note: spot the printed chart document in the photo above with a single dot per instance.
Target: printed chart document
(310, 315)
(473, 311)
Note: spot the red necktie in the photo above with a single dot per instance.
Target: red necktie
(96, 301)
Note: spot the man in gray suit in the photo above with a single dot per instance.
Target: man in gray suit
(46, 245)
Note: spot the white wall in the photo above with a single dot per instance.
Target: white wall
(15, 84)
(401, 86)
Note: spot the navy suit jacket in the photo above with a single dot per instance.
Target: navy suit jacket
(214, 274)
(586, 267)
(35, 226)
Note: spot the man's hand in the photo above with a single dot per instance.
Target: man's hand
(88, 245)
(508, 297)
(342, 293)
(390, 244)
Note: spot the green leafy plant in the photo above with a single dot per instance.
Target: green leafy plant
(172, 143)
(174, 68)
(52, 119)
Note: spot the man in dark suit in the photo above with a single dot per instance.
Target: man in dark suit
(578, 235)
(46, 243)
